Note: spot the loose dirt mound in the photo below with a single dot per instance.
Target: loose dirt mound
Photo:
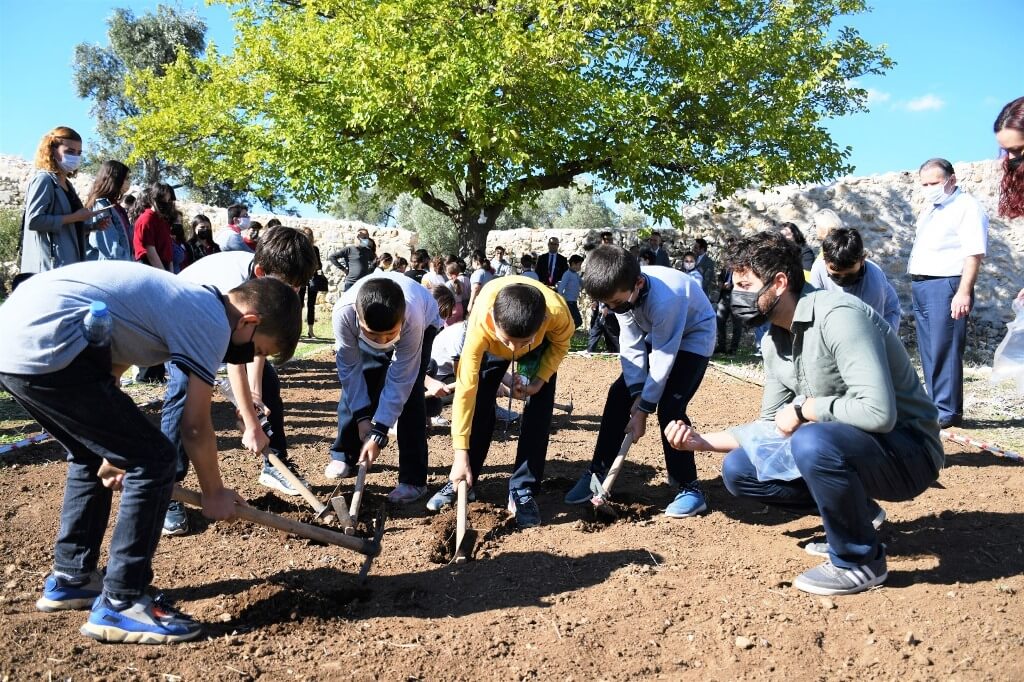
(708, 598)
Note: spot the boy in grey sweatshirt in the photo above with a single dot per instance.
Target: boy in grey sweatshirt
(667, 334)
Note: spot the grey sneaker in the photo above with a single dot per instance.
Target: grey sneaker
(271, 478)
(447, 495)
(404, 493)
(830, 580)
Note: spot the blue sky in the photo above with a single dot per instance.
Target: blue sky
(957, 64)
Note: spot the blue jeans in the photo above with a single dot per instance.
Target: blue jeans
(534, 431)
(940, 341)
(174, 407)
(412, 422)
(683, 382)
(841, 468)
(84, 409)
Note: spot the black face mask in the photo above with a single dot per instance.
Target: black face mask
(744, 306)
(849, 279)
(626, 306)
(241, 353)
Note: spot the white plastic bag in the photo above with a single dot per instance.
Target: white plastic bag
(768, 449)
(1008, 362)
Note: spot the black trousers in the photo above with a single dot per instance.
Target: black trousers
(683, 382)
(309, 294)
(606, 328)
(535, 428)
(412, 423)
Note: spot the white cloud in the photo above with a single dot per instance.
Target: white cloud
(877, 96)
(928, 102)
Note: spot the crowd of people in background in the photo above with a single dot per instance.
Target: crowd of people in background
(840, 388)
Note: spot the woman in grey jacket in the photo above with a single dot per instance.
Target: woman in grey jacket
(53, 231)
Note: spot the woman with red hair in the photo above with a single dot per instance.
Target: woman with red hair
(1009, 130)
(54, 230)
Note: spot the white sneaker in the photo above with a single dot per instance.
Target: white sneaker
(440, 422)
(337, 468)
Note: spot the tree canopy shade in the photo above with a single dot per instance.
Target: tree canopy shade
(491, 102)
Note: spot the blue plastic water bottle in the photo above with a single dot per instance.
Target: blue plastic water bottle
(98, 324)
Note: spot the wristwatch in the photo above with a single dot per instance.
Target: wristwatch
(379, 435)
(798, 407)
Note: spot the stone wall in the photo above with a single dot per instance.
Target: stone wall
(882, 207)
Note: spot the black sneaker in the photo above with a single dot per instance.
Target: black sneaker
(524, 507)
(176, 519)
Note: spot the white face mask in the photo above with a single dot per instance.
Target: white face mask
(689, 266)
(70, 162)
(243, 222)
(379, 346)
(934, 194)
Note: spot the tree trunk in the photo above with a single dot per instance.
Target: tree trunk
(473, 233)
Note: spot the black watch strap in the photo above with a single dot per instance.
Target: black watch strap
(800, 413)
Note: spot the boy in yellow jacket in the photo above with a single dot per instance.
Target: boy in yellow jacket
(518, 321)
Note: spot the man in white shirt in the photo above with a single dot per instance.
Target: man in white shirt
(950, 243)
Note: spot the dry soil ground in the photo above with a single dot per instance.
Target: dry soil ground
(644, 598)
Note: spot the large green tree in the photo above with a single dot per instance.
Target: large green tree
(494, 102)
(149, 42)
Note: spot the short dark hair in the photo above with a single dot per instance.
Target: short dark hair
(279, 309)
(766, 254)
(690, 254)
(445, 301)
(937, 162)
(381, 304)
(286, 253)
(519, 310)
(610, 269)
(701, 242)
(646, 256)
(843, 248)
(798, 236)
(575, 258)
(526, 260)
(235, 211)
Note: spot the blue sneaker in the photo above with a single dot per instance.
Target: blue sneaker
(447, 495)
(175, 520)
(580, 493)
(63, 594)
(145, 621)
(689, 502)
(522, 505)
